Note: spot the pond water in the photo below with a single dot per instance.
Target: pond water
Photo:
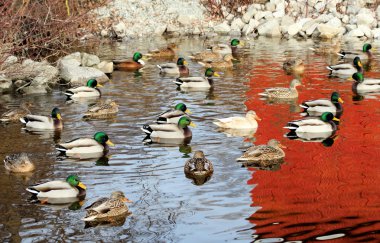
(319, 193)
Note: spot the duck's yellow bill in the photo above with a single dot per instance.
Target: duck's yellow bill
(360, 64)
(81, 203)
(340, 100)
(126, 200)
(374, 49)
(109, 143)
(185, 62)
(188, 111)
(145, 58)
(350, 79)
(192, 124)
(242, 43)
(336, 119)
(257, 118)
(281, 146)
(81, 185)
(99, 85)
(216, 74)
(59, 116)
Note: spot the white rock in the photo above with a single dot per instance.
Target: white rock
(248, 28)
(376, 33)
(308, 24)
(323, 18)
(356, 33)
(259, 15)
(279, 14)
(230, 17)
(294, 29)
(365, 19)
(89, 60)
(280, 6)
(120, 29)
(309, 31)
(366, 30)
(160, 30)
(9, 61)
(222, 28)
(378, 12)
(335, 22)
(104, 33)
(270, 28)
(105, 67)
(345, 19)
(171, 28)
(268, 15)
(196, 31)
(319, 6)
(186, 20)
(74, 56)
(270, 6)
(249, 14)
(327, 31)
(237, 24)
(350, 27)
(5, 84)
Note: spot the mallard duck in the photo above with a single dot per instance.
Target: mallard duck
(130, 65)
(103, 109)
(332, 49)
(198, 165)
(86, 147)
(170, 131)
(173, 115)
(226, 62)
(364, 85)
(43, 122)
(367, 54)
(16, 114)
(264, 155)
(105, 209)
(294, 66)
(317, 107)
(247, 122)
(283, 93)
(346, 69)
(197, 82)
(59, 192)
(324, 123)
(18, 163)
(167, 52)
(174, 68)
(225, 49)
(206, 55)
(88, 91)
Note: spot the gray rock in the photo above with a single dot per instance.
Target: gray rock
(270, 28)
(311, 29)
(104, 33)
(9, 61)
(105, 67)
(222, 28)
(196, 31)
(235, 33)
(230, 17)
(120, 29)
(89, 60)
(248, 28)
(237, 24)
(345, 19)
(327, 31)
(160, 30)
(259, 15)
(172, 28)
(5, 84)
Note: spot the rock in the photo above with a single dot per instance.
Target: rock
(186, 20)
(259, 15)
(237, 24)
(160, 30)
(323, 18)
(74, 56)
(172, 28)
(309, 31)
(9, 61)
(279, 14)
(378, 12)
(270, 28)
(345, 19)
(365, 19)
(319, 6)
(230, 17)
(105, 67)
(89, 60)
(196, 31)
(350, 27)
(335, 22)
(222, 28)
(71, 72)
(248, 28)
(356, 33)
(294, 29)
(268, 15)
(104, 33)
(327, 31)
(270, 6)
(5, 84)
(286, 21)
(249, 14)
(235, 33)
(376, 33)
(308, 24)
(120, 29)
(366, 30)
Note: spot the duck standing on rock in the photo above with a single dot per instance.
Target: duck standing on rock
(107, 209)
(319, 106)
(197, 82)
(135, 64)
(18, 163)
(43, 122)
(16, 114)
(173, 115)
(59, 192)
(89, 91)
(198, 168)
(175, 68)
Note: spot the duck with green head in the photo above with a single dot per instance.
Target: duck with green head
(366, 53)
(175, 68)
(319, 106)
(179, 131)
(43, 122)
(198, 82)
(217, 52)
(345, 70)
(130, 65)
(173, 115)
(322, 124)
(225, 49)
(84, 148)
(362, 85)
(89, 91)
(59, 192)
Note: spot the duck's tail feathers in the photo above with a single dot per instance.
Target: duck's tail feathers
(161, 120)
(32, 190)
(202, 63)
(4, 119)
(148, 54)
(69, 93)
(191, 57)
(304, 106)
(147, 129)
(340, 54)
(178, 82)
(329, 68)
(311, 48)
(60, 148)
(159, 67)
(89, 218)
(291, 135)
(263, 94)
(24, 120)
(304, 114)
(242, 159)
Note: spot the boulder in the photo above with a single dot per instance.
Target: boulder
(186, 20)
(105, 67)
(294, 29)
(376, 33)
(356, 33)
(120, 29)
(270, 6)
(286, 21)
(89, 60)
(237, 24)
(365, 19)
(160, 30)
(309, 31)
(5, 84)
(366, 30)
(222, 28)
(259, 15)
(327, 31)
(9, 61)
(270, 28)
(249, 14)
(335, 22)
(248, 28)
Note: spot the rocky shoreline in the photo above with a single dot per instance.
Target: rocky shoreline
(275, 18)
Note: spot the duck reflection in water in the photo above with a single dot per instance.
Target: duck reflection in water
(198, 168)
(327, 139)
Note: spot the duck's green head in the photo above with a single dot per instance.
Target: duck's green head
(358, 77)
(185, 121)
(74, 181)
(210, 72)
(235, 42)
(137, 56)
(92, 83)
(328, 116)
(102, 138)
(367, 47)
(56, 113)
(182, 107)
(358, 63)
(181, 61)
(335, 97)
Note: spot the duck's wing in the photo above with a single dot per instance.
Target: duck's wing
(37, 118)
(172, 113)
(164, 127)
(309, 121)
(371, 81)
(107, 205)
(256, 151)
(51, 185)
(342, 66)
(192, 79)
(319, 102)
(79, 142)
(97, 203)
(168, 65)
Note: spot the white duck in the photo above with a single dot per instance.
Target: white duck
(247, 122)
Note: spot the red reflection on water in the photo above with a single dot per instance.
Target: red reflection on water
(318, 189)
